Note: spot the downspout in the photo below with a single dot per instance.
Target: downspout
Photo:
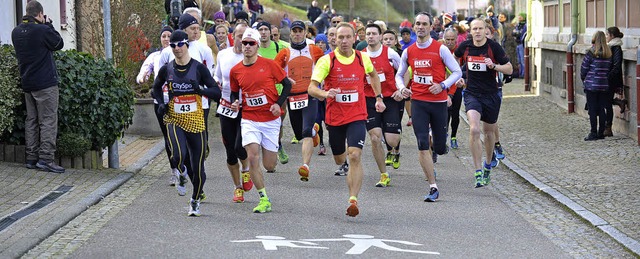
(527, 79)
(638, 94)
(570, 66)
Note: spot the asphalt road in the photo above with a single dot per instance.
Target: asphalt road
(308, 218)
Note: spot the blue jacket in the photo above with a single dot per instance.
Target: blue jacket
(34, 44)
(595, 72)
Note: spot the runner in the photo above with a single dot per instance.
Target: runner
(449, 37)
(385, 61)
(152, 65)
(428, 60)
(483, 58)
(183, 115)
(298, 61)
(230, 121)
(343, 72)
(269, 49)
(260, 123)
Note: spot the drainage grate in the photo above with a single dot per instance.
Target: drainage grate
(46, 200)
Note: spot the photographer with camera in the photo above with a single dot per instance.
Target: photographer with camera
(34, 40)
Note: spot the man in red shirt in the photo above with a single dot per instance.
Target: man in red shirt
(260, 124)
(343, 72)
(428, 60)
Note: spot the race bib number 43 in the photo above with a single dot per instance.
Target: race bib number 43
(476, 63)
(298, 102)
(185, 104)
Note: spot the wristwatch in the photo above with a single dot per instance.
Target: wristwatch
(380, 96)
(444, 87)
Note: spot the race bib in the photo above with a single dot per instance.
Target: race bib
(165, 93)
(380, 75)
(349, 96)
(185, 104)
(224, 109)
(476, 63)
(423, 79)
(256, 100)
(298, 102)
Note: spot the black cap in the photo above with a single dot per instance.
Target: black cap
(178, 36)
(242, 15)
(263, 23)
(298, 24)
(166, 28)
(405, 30)
(186, 20)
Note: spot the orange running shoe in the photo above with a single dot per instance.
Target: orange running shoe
(247, 184)
(238, 195)
(316, 138)
(353, 211)
(303, 171)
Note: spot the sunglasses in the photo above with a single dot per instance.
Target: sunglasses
(179, 44)
(250, 43)
(335, 22)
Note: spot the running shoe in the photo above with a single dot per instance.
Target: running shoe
(396, 161)
(433, 195)
(385, 180)
(282, 156)
(271, 171)
(181, 186)
(409, 123)
(342, 170)
(194, 208)
(263, 206)
(174, 177)
(486, 175)
(494, 161)
(389, 159)
(454, 143)
(303, 171)
(353, 211)
(247, 183)
(323, 150)
(294, 140)
(316, 137)
(202, 196)
(499, 152)
(238, 195)
(479, 180)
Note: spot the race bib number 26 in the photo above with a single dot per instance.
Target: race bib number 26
(477, 64)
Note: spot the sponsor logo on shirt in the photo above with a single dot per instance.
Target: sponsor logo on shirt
(422, 63)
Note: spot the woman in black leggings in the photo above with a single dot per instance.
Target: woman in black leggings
(184, 116)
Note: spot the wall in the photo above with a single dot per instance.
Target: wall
(51, 9)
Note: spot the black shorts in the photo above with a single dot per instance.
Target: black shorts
(488, 105)
(434, 116)
(354, 133)
(389, 120)
(302, 120)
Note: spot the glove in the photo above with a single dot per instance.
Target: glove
(508, 79)
(162, 109)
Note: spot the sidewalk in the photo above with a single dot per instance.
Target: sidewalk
(21, 188)
(597, 180)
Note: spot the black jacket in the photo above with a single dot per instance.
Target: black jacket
(313, 12)
(615, 76)
(34, 44)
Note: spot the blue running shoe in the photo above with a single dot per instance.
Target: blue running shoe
(498, 152)
(433, 195)
(479, 180)
(494, 161)
(454, 143)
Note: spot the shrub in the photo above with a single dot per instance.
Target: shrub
(9, 88)
(72, 145)
(95, 99)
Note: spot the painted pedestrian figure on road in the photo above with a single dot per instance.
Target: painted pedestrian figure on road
(273, 242)
(363, 242)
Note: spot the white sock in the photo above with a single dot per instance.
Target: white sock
(433, 186)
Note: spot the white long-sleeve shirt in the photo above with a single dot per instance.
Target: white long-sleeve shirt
(393, 57)
(227, 59)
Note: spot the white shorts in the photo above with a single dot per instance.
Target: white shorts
(264, 133)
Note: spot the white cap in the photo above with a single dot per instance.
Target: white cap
(251, 33)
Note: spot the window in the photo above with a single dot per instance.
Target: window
(595, 13)
(551, 15)
(566, 11)
(63, 11)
